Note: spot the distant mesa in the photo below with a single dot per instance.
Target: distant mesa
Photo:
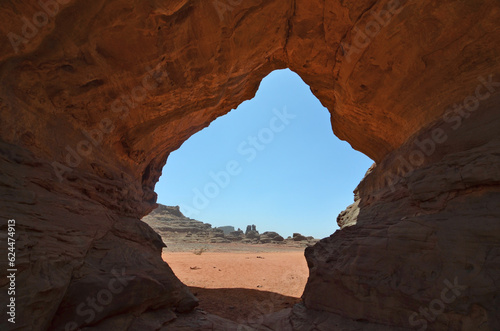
(171, 219)
(299, 237)
(227, 229)
(172, 225)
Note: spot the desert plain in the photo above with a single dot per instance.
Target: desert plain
(240, 281)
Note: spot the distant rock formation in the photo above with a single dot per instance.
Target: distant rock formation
(227, 229)
(253, 233)
(298, 237)
(170, 219)
(268, 237)
(172, 225)
(250, 228)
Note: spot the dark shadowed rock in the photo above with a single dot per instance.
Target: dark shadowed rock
(299, 237)
(271, 236)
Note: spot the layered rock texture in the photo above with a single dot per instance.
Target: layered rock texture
(169, 219)
(96, 94)
(174, 227)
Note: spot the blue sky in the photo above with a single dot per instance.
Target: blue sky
(273, 162)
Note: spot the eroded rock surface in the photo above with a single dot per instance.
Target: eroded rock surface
(97, 94)
(175, 228)
(424, 244)
(169, 219)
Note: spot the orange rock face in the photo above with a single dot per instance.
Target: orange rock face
(95, 95)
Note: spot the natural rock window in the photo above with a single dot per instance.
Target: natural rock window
(95, 95)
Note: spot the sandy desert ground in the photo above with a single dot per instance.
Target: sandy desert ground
(240, 282)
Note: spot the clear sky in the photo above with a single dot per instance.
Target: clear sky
(273, 162)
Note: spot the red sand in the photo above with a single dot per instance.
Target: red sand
(233, 285)
(280, 272)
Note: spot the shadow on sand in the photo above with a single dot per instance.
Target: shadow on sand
(241, 304)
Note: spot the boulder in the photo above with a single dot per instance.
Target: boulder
(271, 236)
(299, 237)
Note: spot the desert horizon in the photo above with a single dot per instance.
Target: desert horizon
(232, 277)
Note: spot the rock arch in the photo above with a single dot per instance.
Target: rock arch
(95, 96)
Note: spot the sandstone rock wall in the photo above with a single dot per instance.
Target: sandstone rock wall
(419, 230)
(96, 95)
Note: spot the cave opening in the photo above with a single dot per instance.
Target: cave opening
(241, 199)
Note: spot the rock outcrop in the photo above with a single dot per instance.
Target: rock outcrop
(425, 241)
(270, 236)
(169, 219)
(227, 229)
(174, 227)
(95, 95)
